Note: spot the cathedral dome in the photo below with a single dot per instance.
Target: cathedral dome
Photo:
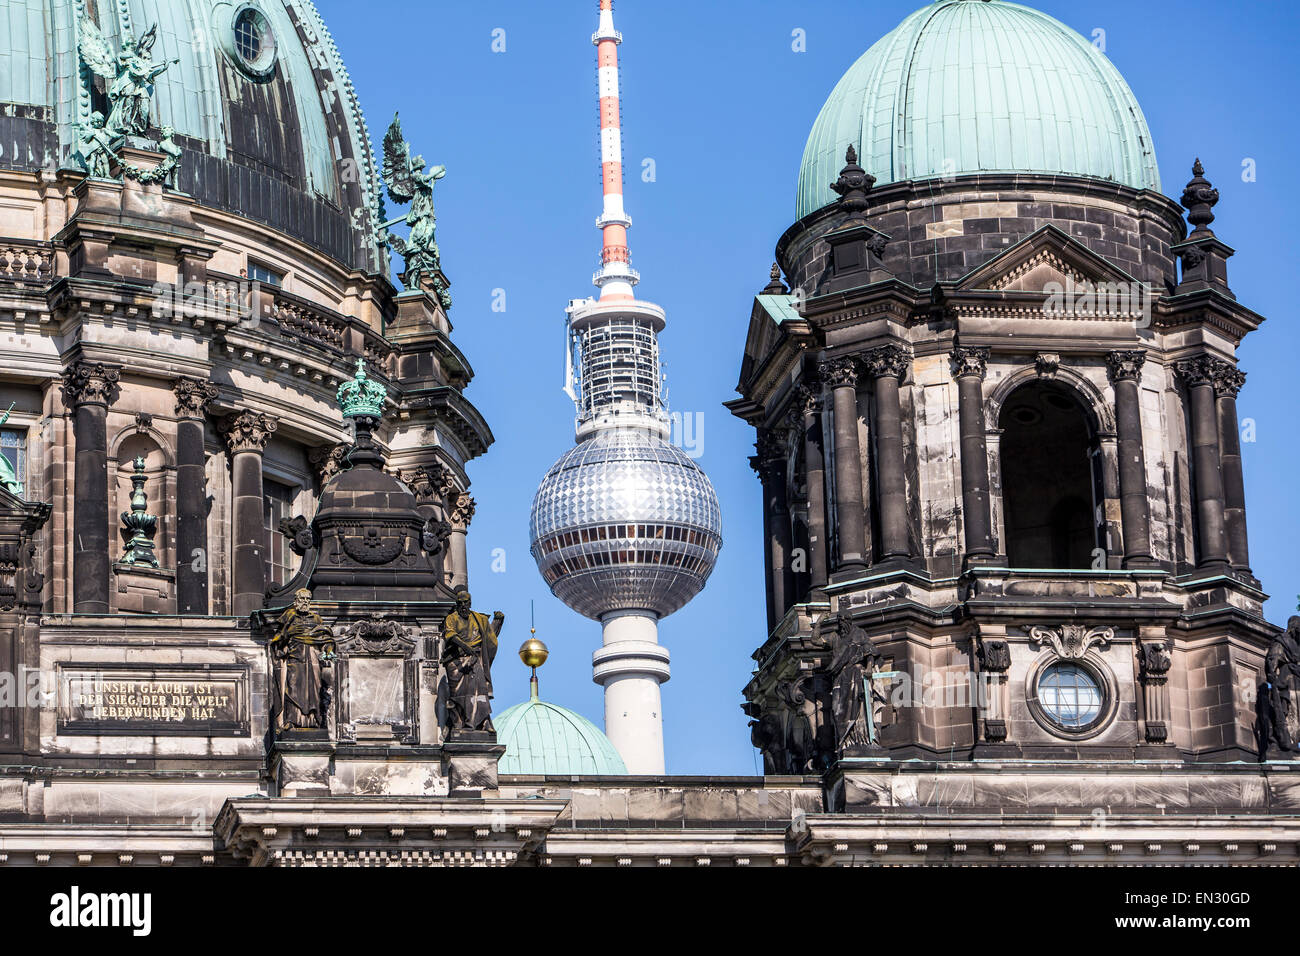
(969, 86)
(258, 97)
(542, 738)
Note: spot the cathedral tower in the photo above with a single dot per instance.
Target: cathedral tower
(625, 526)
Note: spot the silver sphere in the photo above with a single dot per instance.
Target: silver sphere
(625, 521)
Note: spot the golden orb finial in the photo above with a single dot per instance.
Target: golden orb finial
(533, 653)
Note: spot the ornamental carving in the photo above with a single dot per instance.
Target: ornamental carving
(840, 372)
(1154, 661)
(429, 483)
(1071, 641)
(90, 383)
(299, 533)
(373, 547)
(377, 634)
(1126, 365)
(193, 397)
(994, 656)
(970, 360)
(1197, 371)
(1047, 364)
(328, 460)
(807, 399)
(773, 446)
(462, 509)
(887, 360)
(1228, 380)
(247, 431)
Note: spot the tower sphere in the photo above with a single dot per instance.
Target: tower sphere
(625, 521)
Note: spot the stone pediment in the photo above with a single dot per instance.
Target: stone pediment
(1046, 259)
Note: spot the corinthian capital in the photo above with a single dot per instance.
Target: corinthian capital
(247, 431)
(90, 383)
(839, 372)
(462, 508)
(1196, 371)
(970, 360)
(1228, 379)
(1126, 365)
(193, 396)
(807, 399)
(887, 360)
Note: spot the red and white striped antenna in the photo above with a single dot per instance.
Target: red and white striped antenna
(616, 277)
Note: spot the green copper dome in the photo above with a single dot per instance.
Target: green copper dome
(541, 738)
(968, 86)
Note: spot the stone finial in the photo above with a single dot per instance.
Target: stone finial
(362, 395)
(854, 183)
(1199, 199)
(774, 286)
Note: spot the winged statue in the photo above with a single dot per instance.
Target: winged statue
(128, 75)
(408, 182)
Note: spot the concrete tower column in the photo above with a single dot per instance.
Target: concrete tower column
(887, 365)
(969, 364)
(842, 377)
(246, 436)
(1207, 477)
(89, 388)
(1227, 383)
(630, 667)
(1135, 509)
(192, 399)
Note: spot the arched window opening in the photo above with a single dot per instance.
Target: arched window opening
(1050, 489)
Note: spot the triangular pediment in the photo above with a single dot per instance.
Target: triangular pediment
(1045, 258)
(761, 339)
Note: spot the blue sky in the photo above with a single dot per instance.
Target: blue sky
(716, 97)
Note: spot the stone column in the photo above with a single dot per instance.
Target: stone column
(887, 365)
(89, 388)
(1198, 375)
(1135, 513)
(192, 399)
(770, 462)
(992, 696)
(969, 366)
(246, 435)
(842, 376)
(809, 406)
(1227, 383)
(462, 513)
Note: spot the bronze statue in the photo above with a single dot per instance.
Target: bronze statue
(303, 654)
(407, 181)
(167, 170)
(96, 146)
(1277, 712)
(469, 646)
(129, 75)
(854, 689)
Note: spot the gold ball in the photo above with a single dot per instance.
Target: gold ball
(533, 652)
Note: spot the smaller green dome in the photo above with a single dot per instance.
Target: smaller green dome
(542, 738)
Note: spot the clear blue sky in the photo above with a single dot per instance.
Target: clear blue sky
(714, 94)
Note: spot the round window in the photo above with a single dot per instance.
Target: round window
(254, 42)
(1070, 695)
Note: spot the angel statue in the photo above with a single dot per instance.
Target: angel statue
(128, 76)
(407, 181)
(95, 146)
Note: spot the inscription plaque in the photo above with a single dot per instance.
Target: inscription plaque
(124, 699)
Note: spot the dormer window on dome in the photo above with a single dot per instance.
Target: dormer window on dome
(253, 42)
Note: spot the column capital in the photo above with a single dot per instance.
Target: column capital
(1196, 371)
(839, 372)
(247, 431)
(1228, 379)
(970, 360)
(327, 460)
(1125, 365)
(887, 360)
(90, 383)
(193, 396)
(807, 398)
(462, 508)
(430, 483)
(772, 447)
